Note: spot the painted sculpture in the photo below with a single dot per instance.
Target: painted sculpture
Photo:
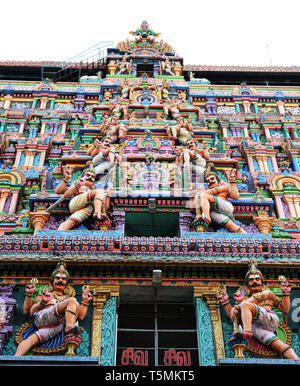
(51, 309)
(182, 131)
(84, 164)
(194, 158)
(253, 311)
(213, 203)
(103, 154)
(85, 200)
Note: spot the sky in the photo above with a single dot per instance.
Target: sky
(210, 32)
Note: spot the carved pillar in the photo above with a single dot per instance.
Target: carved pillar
(39, 218)
(250, 163)
(44, 101)
(274, 164)
(297, 205)
(18, 156)
(261, 163)
(281, 108)
(267, 132)
(246, 132)
(108, 332)
(263, 222)
(289, 200)
(101, 296)
(7, 101)
(29, 153)
(42, 158)
(185, 221)
(14, 202)
(4, 194)
(43, 127)
(247, 107)
(119, 220)
(224, 130)
(112, 66)
(22, 127)
(209, 326)
(279, 207)
(63, 128)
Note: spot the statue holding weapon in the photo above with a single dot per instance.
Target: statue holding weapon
(53, 310)
(85, 201)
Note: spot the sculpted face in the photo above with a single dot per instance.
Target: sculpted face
(106, 142)
(255, 283)
(212, 181)
(60, 281)
(191, 144)
(89, 178)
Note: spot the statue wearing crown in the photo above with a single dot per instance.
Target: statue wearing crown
(213, 204)
(85, 201)
(253, 314)
(53, 311)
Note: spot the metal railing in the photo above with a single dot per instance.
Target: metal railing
(91, 59)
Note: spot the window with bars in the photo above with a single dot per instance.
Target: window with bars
(157, 334)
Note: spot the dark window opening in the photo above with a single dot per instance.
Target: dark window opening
(157, 333)
(144, 224)
(145, 69)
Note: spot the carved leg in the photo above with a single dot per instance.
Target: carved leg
(232, 227)
(206, 201)
(248, 312)
(283, 349)
(70, 308)
(99, 206)
(27, 344)
(67, 225)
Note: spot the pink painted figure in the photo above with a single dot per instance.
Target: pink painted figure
(254, 311)
(103, 153)
(213, 203)
(86, 200)
(51, 308)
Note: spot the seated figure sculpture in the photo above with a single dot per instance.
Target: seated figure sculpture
(172, 108)
(255, 313)
(182, 131)
(166, 66)
(51, 309)
(195, 157)
(103, 154)
(111, 127)
(213, 204)
(85, 199)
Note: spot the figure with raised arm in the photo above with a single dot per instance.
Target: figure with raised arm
(51, 309)
(254, 311)
(103, 154)
(182, 131)
(213, 204)
(85, 201)
(195, 157)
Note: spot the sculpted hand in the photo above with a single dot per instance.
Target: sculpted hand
(231, 176)
(80, 181)
(30, 288)
(46, 296)
(87, 296)
(97, 143)
(239, 295)
(68, 173)
(204, 144)
(285, 285)
(233, 313)
(223, 297)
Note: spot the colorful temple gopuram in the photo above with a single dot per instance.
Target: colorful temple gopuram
(149, 211)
